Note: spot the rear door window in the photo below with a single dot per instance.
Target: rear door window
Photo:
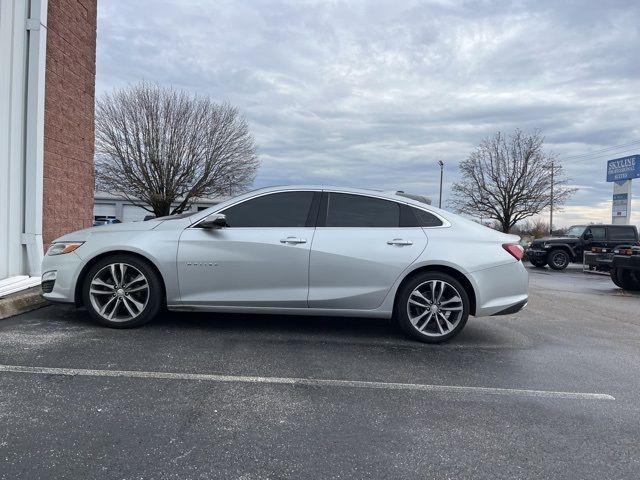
(346, 210)
(622, 234)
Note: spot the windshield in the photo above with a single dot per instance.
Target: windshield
(576, 231)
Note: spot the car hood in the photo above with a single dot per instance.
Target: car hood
(539, 241)
(83, 235)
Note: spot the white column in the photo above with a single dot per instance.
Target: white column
(34, 156)
(621, 206)
(22, 67)
(13, 52)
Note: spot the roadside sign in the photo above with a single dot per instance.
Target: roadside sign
(620, 201)
(624, 168)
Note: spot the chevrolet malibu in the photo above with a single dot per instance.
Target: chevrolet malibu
(295, 250)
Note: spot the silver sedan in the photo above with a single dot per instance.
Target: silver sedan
(295, 250)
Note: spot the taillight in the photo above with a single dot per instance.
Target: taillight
(514, 249)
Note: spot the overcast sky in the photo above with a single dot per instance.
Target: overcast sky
(374, 93)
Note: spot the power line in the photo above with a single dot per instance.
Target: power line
(604, 151)
(613, 147)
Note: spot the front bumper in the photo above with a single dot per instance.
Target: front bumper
(536, 253)
(67, 268)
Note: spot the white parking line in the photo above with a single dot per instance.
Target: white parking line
(304, 381)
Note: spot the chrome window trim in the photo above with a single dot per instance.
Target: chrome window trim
(372, 194)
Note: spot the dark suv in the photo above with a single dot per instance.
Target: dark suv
(558, 252)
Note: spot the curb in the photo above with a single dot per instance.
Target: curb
(22, 302)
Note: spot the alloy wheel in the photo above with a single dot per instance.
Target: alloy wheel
(119, 292)
(435, 308)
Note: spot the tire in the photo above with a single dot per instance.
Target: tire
(138, 299)
(558, 259)
(629, 279)
(614, 277)
(414, 314)
(538, 263)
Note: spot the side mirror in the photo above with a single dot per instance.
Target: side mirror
(588, 236)
(215, 221)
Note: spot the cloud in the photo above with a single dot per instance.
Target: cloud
(375, 93)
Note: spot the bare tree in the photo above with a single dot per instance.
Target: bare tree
(156, 146)
(509, 179)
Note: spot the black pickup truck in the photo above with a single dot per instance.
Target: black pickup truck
(558, 252)
(624, 267)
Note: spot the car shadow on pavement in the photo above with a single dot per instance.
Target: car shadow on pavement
(312, 328)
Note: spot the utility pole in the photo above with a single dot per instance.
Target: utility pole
(441, 163)
(552, 167)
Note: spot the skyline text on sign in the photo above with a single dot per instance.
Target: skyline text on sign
(624, 168)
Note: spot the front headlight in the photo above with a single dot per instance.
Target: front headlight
(63, 247)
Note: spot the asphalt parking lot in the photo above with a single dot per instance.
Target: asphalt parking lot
(552, 392)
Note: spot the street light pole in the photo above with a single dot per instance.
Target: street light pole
(441, 163)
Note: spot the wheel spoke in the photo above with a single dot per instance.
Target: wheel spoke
(115, 307)
(422, 305)
(426, 322)
(139, 305)
(419, 294)
(103, 310)
(446, 320)
(439, 326)
(101, 283)
(415, 320)
(452, 309)
(453, 299)
(125, 301)
(135, 280)
(100, 292)
(137, 289)
(114, 275)
(123, 269)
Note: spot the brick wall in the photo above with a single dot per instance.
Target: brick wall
(68, 122)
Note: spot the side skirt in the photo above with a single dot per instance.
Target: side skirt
(281, 311)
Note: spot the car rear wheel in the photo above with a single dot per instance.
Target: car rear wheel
(536, 262)
(122, 291)
(432, 307)
(613, 273)
(558, 259)
(629, 279)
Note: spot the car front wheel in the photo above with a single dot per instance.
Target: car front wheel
(432, 307)
(558, 259)
(122, 291)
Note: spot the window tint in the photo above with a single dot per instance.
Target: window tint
(287, 209)
(426, 219)
(622, 233)
(598, 233)
(344, 210)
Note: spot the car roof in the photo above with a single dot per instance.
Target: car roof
(392, 195)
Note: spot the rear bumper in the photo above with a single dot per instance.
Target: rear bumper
(515, 308)
(631, 262)
(500, 290)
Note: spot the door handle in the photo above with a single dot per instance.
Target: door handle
(293, 240)
(399, 242)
